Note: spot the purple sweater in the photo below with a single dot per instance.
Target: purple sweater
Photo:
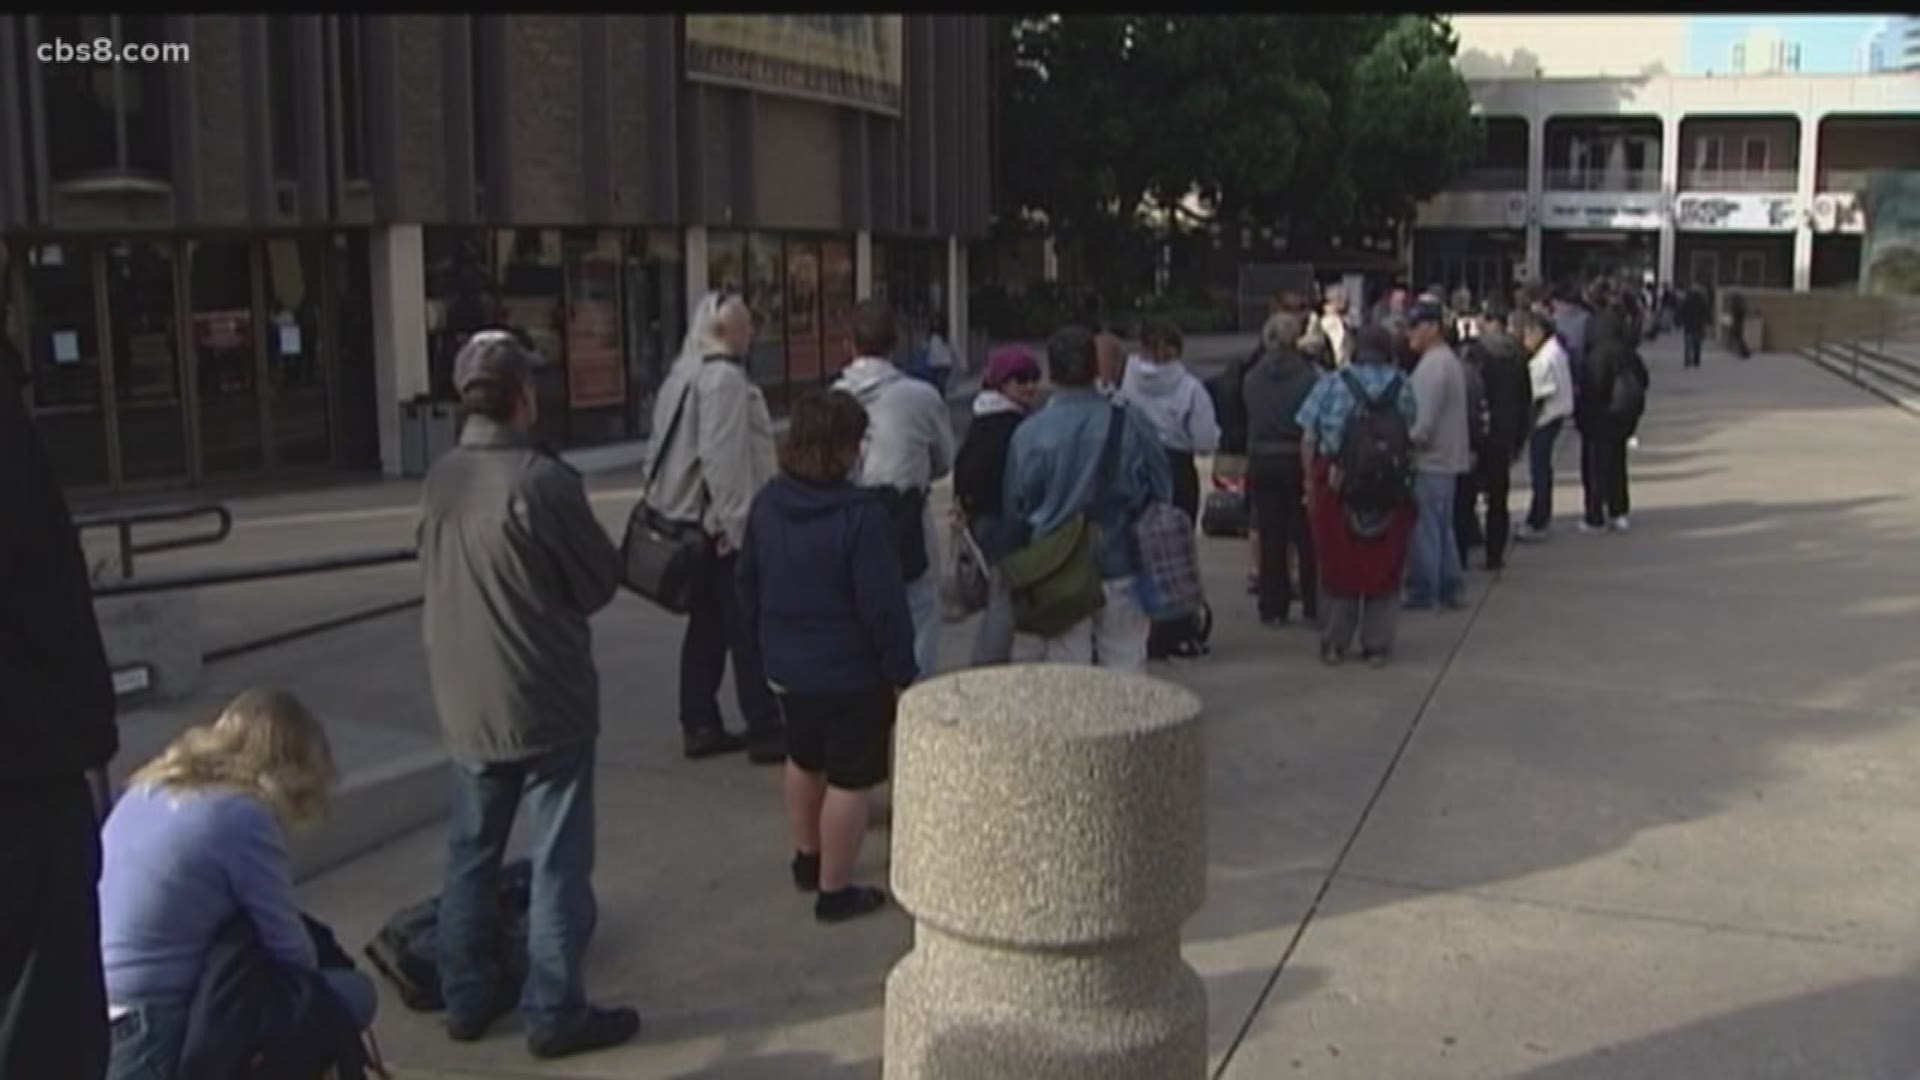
(176, 865)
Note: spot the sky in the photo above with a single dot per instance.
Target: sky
(1828, 43)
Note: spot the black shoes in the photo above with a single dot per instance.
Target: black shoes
(849, 903)
(466, 1029)
(806, 871)
(597, 1029)
(713, 742)
(767, 749)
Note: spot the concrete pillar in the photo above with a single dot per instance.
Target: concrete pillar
(1049, 839)
(399, 285)
(1536, 190)
(958, 318)
(862, 264)
(697, 283)
(1806, 186)
(1669, 191)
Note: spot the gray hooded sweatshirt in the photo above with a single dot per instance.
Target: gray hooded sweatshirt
(909, 434)
(1174, 402)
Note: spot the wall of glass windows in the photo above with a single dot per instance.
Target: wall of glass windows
(801, 288)
(603, 309)
(161, 360)
(911, 275)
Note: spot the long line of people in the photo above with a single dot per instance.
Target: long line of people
(817, 577)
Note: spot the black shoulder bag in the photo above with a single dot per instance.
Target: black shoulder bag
(664, 559)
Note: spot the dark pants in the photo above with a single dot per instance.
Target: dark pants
(53, 1000)
(1695, 339)
(1540, 473)
(557, 788)
(1739, 331)
(1603, 468)
(1168, 635)
(715, 630)
(1279, 496)
(1492, 476)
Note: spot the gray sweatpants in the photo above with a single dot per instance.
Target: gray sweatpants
(1374, 616)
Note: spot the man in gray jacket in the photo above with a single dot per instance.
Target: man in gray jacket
(909, 447)
(514, 563)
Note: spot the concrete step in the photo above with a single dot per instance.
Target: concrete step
(1889, 378)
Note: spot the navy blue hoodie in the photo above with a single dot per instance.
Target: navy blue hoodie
(820, 584)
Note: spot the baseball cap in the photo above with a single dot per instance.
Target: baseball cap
(1426, 311)
(1010, 363)
(491, 356)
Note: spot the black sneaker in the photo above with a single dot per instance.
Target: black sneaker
(767, 749)
(597, 1029)
(848, 903)
(806, 871)
(711, 743)
(466, 1029)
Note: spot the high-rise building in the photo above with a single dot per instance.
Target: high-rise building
(1570, 46)
(1764, 51)
(1895, 46)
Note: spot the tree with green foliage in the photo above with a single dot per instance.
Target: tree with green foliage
(1307, 123)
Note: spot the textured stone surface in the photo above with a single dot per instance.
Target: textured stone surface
(160, 629)
(1050, 838)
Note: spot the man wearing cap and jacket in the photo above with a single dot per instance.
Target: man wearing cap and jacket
(1441, 453)
(514, 564)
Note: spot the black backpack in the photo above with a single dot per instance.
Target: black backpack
(406, 950)
(1376, 455)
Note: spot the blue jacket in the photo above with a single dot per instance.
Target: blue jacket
(820, 585)
(1051, 465)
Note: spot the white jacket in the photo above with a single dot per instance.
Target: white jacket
(1174, 402)
(909, 433)
(1552, 377)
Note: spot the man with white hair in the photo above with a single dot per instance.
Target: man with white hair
(714, 454)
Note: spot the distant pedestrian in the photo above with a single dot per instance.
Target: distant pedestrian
(822, 591)
(909, 448)
(514, 564)
(1010, 391)
(57, 727)
(1737, 328)
(1159, 388)
(1358, 496)
(715, 454)
(1335, 324)
(1695, 316)
(1275, 390)
(1502, 364)
(941, 359)
(1055, 473)
(1608, 410)
(1551, 379)
(1441, 454)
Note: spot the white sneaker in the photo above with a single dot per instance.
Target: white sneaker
(1527, 534)
(1592, 530)
(1633, 442)
(1621, 525)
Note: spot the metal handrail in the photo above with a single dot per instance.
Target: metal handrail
(122, 522)
(197, 579)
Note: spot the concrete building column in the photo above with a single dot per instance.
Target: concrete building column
(957, 320)
(399, 286)
(1049, 839)
(1536, 190)
(697, 283)
(1669, 191)
(863, 264)
(1806, 187)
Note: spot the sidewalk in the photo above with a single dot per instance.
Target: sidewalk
(1643, 811)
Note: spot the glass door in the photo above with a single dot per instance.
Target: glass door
(299, 375)
(142, 340)
(805, 355)
(226, 359)
(64, 362)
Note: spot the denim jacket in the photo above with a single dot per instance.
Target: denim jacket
(1051, 465)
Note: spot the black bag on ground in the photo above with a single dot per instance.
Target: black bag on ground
(1224, 514)
(660, 559)
(1376, 454)
(406, 950)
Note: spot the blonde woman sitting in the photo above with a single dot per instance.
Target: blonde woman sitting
(197, 839)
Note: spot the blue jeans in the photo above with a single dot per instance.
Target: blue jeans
(148, 1039)
(923, 603)
(558, 790)
(1540, 473)
(1433, 558)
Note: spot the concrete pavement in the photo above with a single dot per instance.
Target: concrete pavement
(1644, 810)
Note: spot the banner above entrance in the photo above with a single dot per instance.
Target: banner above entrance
(845, 59)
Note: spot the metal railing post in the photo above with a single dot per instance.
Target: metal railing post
(125, 531)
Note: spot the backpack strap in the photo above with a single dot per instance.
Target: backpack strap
(1359, 391)
(1109, 463)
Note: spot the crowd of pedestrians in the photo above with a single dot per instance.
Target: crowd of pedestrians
(1368, 447)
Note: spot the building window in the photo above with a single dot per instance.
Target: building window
(1750, 268)
(107, 119)
(1707, 154)
(284, 109)
(350, 58)
(1753, 156)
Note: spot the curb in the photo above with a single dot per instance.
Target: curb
(372, 806)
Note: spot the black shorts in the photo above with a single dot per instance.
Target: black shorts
(847, 736)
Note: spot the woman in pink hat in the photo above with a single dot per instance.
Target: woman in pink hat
(1010, 391)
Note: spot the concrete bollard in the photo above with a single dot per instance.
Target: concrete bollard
(1049, 839)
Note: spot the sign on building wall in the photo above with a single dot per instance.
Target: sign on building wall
(1890, 258)
(845, 59)
(1599, 210)
(1736, 213)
